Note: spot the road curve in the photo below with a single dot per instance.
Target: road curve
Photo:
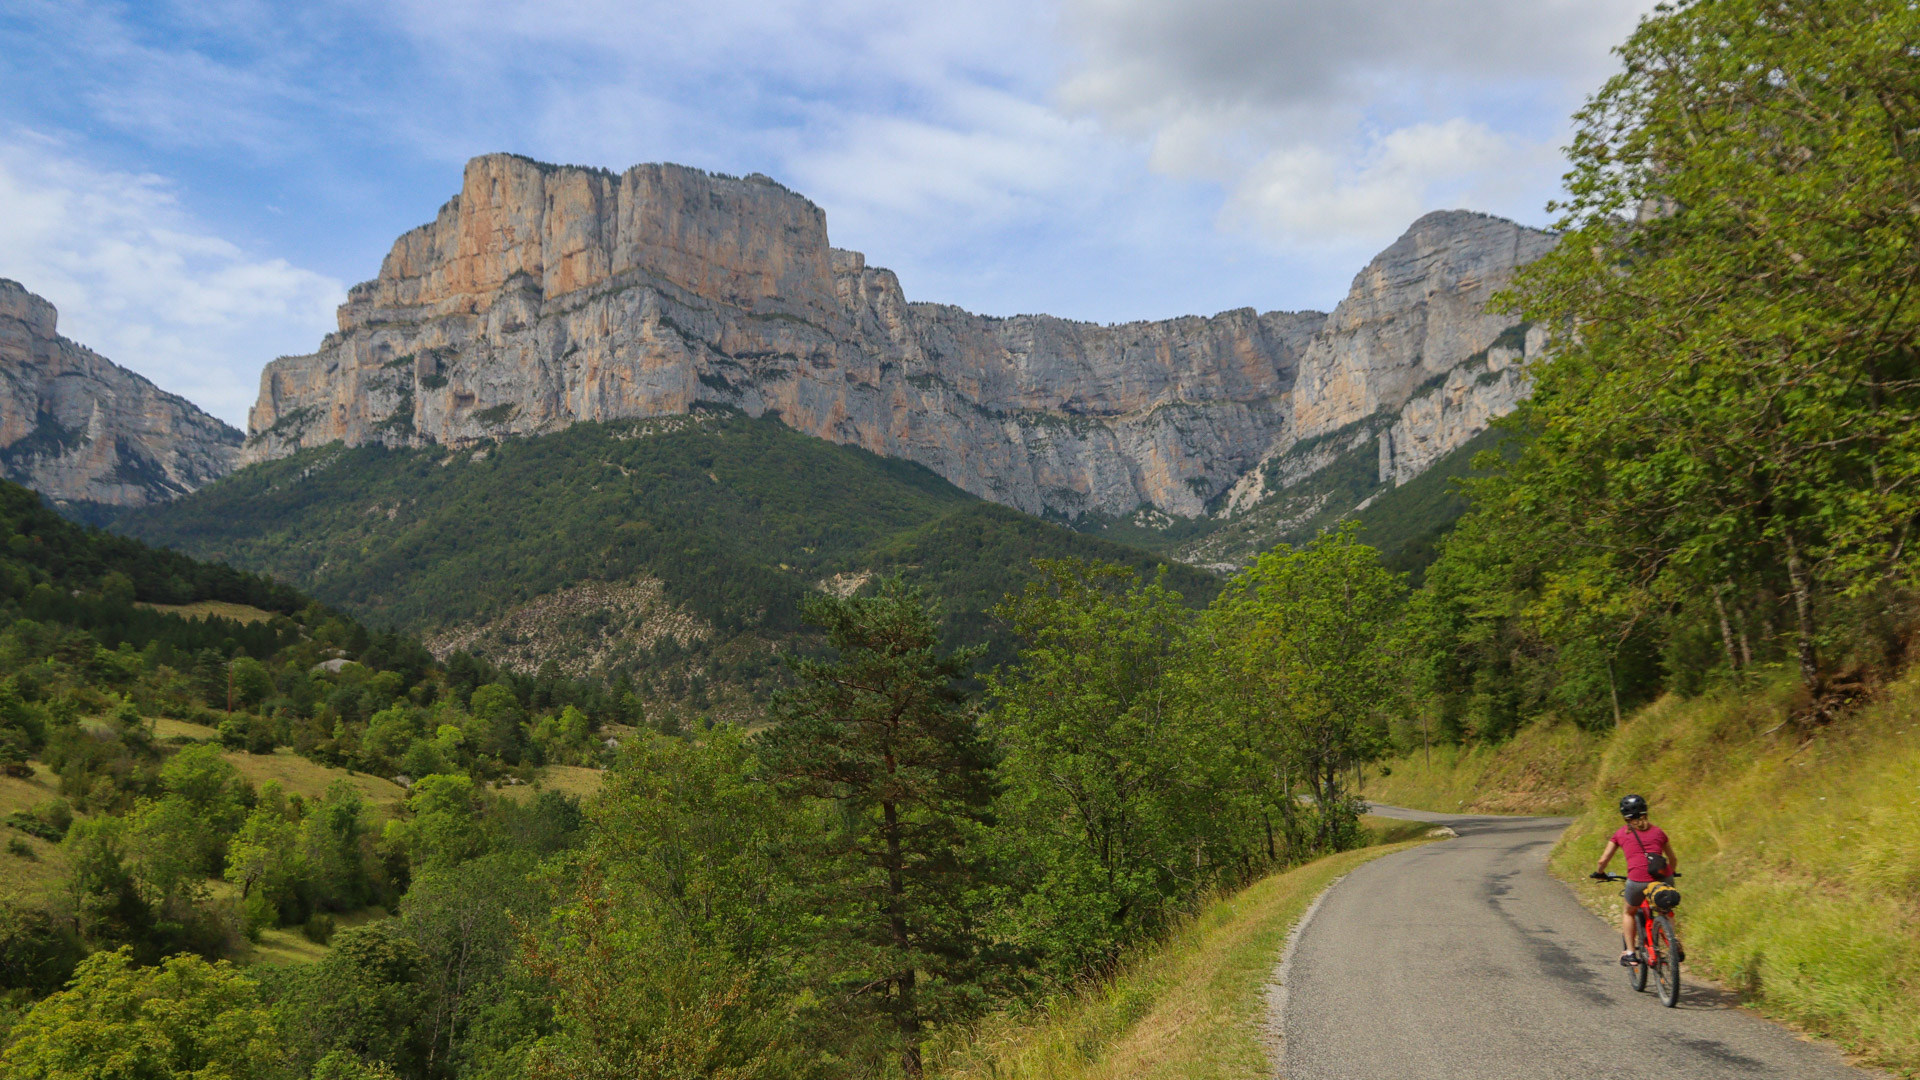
(1464, 959)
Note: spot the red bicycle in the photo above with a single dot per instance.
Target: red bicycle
(1656, 947)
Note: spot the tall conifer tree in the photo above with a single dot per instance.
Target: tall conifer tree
(882, 732)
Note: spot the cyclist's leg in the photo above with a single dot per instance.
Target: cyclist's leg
(1629, 927)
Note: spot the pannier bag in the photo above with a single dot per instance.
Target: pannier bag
(1663, 896)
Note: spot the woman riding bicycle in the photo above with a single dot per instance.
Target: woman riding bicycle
(1649, 857)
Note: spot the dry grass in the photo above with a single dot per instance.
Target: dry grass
(26, 792)
(583, 783)
(1545, 769)
(212, 608)
(165, 727)
(35, 880)
(1800, 853)
(309, 779)
(1393, 830)
(1189, 1009)
(286, 946)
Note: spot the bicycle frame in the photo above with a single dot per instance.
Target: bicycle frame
(1643, 913)
(1648, 958)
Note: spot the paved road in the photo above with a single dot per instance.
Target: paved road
(1464, 959)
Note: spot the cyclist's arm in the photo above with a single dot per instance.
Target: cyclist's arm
(1606, 857)
(1673, 861)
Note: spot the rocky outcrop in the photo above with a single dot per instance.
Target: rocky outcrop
(79, 428)
(1466, 400)
(1417, 312)
(541, 296)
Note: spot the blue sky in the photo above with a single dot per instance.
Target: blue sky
(195, 184)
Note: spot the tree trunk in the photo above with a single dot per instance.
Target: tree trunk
(1613, 691)
(1740, 628)
(909, 1028)
(1726, 632)
(907, 1010)
(1805, 644)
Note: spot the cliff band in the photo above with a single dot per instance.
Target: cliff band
(81, 429)
(545, 295)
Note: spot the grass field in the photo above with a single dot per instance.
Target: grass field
(165, 727)
(26, 792)
(1545, 769)
(1189, 1009)
(309, 779)
(29, 879)
(1799, 850)
(567, 779)
(212, 608)
(286, 945)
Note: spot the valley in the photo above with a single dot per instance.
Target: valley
(675, 551)
(638, 640)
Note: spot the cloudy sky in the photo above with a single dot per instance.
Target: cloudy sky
(195, 182)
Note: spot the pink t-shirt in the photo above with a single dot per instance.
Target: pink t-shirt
(1637, 845)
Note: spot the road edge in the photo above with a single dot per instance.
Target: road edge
(1273, 1032)
(1273, 1016)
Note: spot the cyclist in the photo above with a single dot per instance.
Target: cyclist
(1649, 855)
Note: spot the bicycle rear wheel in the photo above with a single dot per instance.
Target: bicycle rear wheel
(1666, 965)
(1637, 974)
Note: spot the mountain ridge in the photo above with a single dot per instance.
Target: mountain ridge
(542, 295)
(88, 433)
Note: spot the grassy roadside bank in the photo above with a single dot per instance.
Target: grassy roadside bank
(1800, 850)
(1187, 1009)
(1545, 769)
(1800, 846)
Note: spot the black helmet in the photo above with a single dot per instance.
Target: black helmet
(1633, 806)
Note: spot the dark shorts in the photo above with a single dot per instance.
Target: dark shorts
(1635, 892)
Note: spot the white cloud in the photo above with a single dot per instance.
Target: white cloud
(1337, 124)
(1306, 191)
(137, 280)
(1069, 155)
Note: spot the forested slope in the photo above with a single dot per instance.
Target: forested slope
(195, 785)
(677, 550)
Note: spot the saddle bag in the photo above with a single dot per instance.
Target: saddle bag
(1663, 896)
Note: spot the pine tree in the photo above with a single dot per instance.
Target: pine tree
(882, 732)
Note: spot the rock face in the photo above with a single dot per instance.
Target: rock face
(79, 428)
(1467, 399)
(542, 295)
(1418, 311)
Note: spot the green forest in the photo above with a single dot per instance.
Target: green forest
(882, 861)
(1007, 761)
(740, 519)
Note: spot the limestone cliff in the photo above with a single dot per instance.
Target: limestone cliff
(80, 429)
(1458, 405)
(543, 295)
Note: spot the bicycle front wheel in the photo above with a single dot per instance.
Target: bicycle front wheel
(1666, 961)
